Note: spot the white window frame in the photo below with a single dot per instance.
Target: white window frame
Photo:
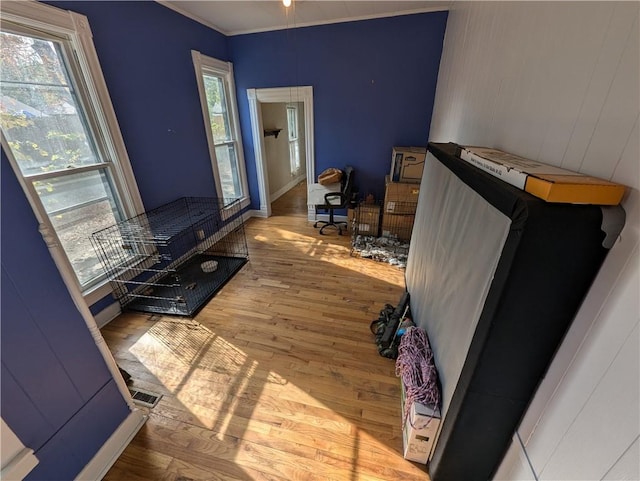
(74, 31)
(202, 65)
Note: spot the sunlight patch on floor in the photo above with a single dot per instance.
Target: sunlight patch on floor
(233, 396)
(332, 253)
(230, 393)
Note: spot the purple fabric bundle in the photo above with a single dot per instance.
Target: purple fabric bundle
(416, 367)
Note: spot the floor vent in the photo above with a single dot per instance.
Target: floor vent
(144, 398)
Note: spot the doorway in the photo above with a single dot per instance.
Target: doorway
(263, 110)
(285, 157)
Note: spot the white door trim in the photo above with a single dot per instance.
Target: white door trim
(279, 95)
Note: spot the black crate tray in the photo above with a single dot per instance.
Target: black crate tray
(163, 298)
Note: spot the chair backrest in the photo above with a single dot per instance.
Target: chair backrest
(340, 200)
(347, 184)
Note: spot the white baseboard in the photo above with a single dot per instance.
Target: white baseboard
(108, 314)
(257, 213)
(108, 454)
(279, 193)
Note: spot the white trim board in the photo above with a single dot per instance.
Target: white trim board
(351, 18)
(280, 95)
(255, 213)
(354, 18)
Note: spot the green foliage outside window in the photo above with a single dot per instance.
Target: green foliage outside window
(39, 113)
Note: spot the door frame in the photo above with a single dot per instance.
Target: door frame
(257, 97)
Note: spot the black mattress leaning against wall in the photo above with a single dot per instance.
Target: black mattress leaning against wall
(550, 257)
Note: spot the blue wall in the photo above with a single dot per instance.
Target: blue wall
(56, 391)
(373, 84)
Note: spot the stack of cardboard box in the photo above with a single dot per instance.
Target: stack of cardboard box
(401, 192)
(402, 187)
(400, 202)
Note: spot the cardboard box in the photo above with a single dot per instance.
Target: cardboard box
(397, 225)
(547, 182)
(407, 164)
(419, 432)
(400, 198)
(316, 192)
(368, 219)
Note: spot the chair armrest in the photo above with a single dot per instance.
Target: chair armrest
(334, 195)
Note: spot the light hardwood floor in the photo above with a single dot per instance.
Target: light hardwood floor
(277, 377)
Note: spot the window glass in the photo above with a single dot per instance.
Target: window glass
(41, 116)
(292, 120)
(78, 205)
(218, 114)
(228, 169)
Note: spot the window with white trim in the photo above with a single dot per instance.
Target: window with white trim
(220, 113)
(58, 136)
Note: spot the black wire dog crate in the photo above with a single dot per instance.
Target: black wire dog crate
(382, 231)
(174, 258)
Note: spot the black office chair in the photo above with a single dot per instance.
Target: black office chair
(337, 200)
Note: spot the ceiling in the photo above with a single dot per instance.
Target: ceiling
(234, 17)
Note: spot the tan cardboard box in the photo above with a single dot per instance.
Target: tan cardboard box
(397, 225)
(400, 198)
(420, 430)
(419, 433)
(407, 164)
(547, 182)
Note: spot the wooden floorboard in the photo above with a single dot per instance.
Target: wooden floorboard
(277, 377)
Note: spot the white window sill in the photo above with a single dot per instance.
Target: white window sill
(244, 203)
(96, 293)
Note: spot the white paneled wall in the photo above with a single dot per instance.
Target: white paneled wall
(515, 464)
(555, 82)
(559, 82)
